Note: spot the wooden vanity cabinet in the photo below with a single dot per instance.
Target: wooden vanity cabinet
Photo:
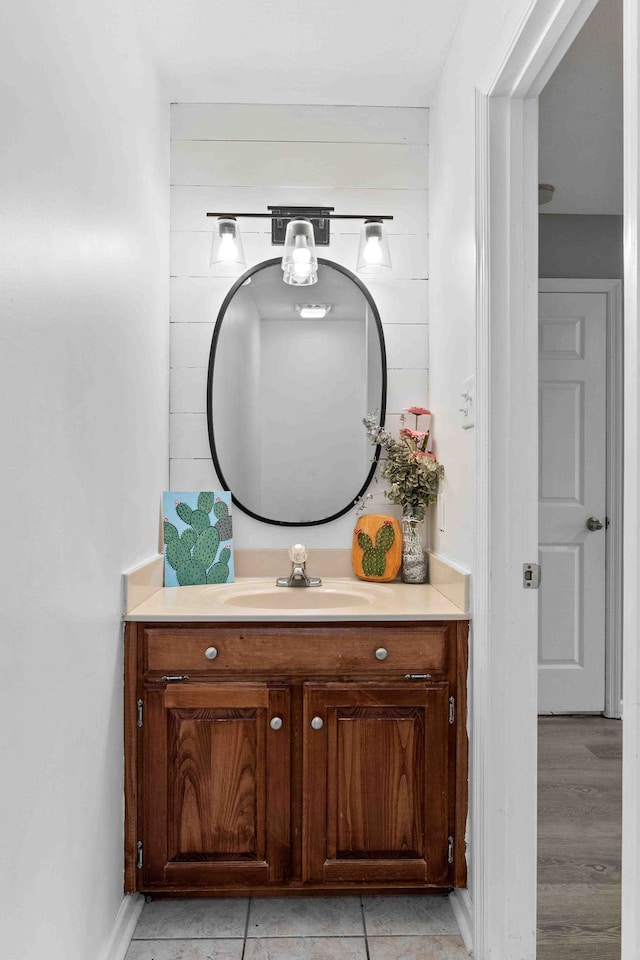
(376, 781)
(215, 783)
(283, 757)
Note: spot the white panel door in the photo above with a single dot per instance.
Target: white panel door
(572, 489)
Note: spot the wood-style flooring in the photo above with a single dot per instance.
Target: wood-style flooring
(579, 838)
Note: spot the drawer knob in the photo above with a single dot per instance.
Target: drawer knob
(276, 723)
(381, 653)
(317, 723)
(211, 653)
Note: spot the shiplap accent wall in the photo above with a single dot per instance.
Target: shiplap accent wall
(236, 157)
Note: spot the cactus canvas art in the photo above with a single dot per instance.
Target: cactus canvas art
(198, 538)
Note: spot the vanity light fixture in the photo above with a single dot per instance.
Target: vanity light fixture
(373, 249)
(301, 229)
(313, 311)
(299, 260)
(226, 246)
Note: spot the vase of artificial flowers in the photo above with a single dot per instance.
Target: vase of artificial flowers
(414, 565)
(413, 475)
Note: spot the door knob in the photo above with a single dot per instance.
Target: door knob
(317, 723)
(594, 524)
(276, 723)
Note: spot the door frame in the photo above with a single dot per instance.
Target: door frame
(503, 717)
(612, 289)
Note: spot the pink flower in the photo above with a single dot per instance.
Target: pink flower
(414, 434)
(422, 454)
(418, 411)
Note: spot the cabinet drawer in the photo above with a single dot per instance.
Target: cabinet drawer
(381, 651)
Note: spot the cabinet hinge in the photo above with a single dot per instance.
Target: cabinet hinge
(140, 859)
(450, 850)
(140, 706)
(452, 710)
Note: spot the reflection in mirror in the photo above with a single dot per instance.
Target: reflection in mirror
(287, 391)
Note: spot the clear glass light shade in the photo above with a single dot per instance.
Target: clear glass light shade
(227, 254)
(299, 261)
(373, 251)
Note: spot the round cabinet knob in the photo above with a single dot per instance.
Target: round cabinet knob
(276, 723)
(317, 723)
(211, 653)
(381, 653)
(594, 524)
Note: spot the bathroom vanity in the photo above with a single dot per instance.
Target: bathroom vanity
(298, 750)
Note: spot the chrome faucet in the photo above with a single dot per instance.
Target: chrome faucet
(298, 577)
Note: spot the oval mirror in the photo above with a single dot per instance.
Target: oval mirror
(287, 390)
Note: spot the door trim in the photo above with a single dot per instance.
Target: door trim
(612, 289)
(631, 485)
(503, 722)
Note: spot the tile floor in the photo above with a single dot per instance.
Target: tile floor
(298, 928)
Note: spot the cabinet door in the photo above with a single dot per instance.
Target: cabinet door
(375, 783)
(216, 784)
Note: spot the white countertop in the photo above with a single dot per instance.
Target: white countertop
(257, 599)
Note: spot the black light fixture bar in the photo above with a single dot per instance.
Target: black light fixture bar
(319, 217)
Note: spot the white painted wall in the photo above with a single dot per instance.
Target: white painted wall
(245, 156)
(573, 245)
(83, 433)
(452, 348)
(452, 289)
(581, 120)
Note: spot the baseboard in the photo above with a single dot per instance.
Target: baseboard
(462, 906)
(123, 927)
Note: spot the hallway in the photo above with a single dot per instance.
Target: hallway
(579, 836)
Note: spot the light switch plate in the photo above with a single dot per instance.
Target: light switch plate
(468, 403)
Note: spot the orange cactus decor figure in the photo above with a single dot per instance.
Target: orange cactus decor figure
(376, 553)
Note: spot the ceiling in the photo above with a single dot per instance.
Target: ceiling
(581, 120)
(344, 52)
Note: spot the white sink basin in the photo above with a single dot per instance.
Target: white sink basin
(332, 595)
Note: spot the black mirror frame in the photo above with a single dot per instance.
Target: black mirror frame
(212, 355)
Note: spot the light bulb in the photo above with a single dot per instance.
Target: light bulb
(301, 254)
(373, 251)
(228, 249)
(301, 268)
